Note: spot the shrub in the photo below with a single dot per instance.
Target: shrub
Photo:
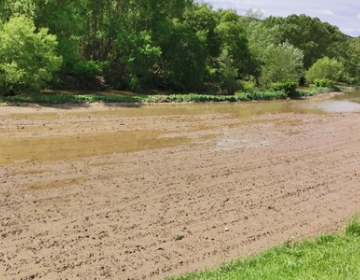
(27, 58)
(248, 86)
(287, 87)
(325, 68)
(324, 83)
(86, 70)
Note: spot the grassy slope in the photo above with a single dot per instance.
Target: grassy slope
(326, 257)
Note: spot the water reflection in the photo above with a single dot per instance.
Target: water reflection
(336, 106)
(353, 96)
(344, 103)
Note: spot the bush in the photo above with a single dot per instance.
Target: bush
(27, 58)
(248, 86)
(87, 70)
(325, 68)
(324, 83)
(287, 87)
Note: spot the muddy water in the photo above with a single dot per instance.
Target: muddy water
(46, 148)
(346, 103)
(19, 148)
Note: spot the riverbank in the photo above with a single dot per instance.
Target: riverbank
(54, 97)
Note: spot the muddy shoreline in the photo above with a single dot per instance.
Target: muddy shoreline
(67, 106)
(200, 190)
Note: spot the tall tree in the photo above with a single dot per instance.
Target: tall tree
(27, 56)
(315, 38)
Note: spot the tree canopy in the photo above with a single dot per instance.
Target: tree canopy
(179, 45)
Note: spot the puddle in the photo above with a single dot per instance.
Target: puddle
(353, 96)
(344, 103)
(237, 109)
(231, 144)
(22, 150)
(35, 149)
(334, 106)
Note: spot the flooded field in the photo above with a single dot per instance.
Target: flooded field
(45, 134)
(104, 191)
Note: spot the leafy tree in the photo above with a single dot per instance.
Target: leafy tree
(9, 8)
(27, 57)
(326, 68)
(172, 44)
(352, 61)
(183, 68)
(231, 30)
(282, 63)
(189, 50)
(315, 38)
(228, 73)
(260, 38)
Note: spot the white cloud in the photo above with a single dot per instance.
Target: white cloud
(326, 12)
(351, 31)
(342, 13)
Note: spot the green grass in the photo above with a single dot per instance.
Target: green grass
(326, 257)
(317, 90)
(46, 98)
(73, 98)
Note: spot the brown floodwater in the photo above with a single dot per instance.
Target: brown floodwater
(18, 147)
(237, 109)
(38, 149)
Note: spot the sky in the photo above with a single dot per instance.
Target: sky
(345, 14)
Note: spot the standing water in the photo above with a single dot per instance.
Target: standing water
(46, 134)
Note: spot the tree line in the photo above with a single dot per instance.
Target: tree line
(173, 45)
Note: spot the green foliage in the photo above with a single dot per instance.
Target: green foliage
(282, 63)
(324, 83)
(313, 37)
(27, 57)
(352, 61)
(314, 91)
(287, 87)
(231, 31)
(260, 95)
(325, 68)
(228, 73)
(45, 98)
(183, 64)
(142, 55)
(248, 86)
(353, 227)
(16, 8)
(86, 70)
(179, 45)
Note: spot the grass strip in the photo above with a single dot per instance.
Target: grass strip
(69, 98)
(326, 257)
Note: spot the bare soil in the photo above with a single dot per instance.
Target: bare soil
(84, 196)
